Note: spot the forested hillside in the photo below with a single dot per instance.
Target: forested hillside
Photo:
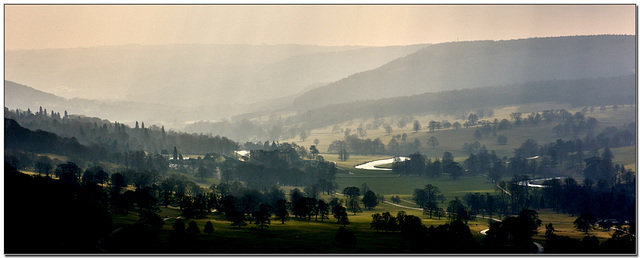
(117, 137)
(583, 92)
(460, 65)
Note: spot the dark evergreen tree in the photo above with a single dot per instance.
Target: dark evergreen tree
(193, 228)
(208, 228)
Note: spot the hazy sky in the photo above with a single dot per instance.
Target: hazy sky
(62, 26)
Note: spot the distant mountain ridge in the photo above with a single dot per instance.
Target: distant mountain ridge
(460, 65)
(16, 94)
(191, 75)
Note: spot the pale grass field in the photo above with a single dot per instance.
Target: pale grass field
(452, 140)
(563, 224)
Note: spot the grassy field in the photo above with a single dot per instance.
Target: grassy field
(206, 183)
(452, 140)
(563, 225)
(626, 156)
(303, 236)
(388, 183)
(405, 185)
(296, 235)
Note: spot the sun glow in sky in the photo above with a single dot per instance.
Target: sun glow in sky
(65, 26)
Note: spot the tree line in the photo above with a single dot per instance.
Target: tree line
(118, 137)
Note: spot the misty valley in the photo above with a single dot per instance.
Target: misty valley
(524, 146)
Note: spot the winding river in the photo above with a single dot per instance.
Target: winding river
(372, 165)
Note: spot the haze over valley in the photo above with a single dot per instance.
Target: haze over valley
(178, 86)
(320, 129)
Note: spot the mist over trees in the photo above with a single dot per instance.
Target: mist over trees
(606, 81)
(138, 187)
(244, 78)
(120, 137)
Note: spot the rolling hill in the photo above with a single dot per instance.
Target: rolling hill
(460, 65)
(18, 96)
(576, 92)
(192, 75)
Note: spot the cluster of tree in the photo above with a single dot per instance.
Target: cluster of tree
(242, 128)
(485, 130)
(607, 192)
(452, 237)
(279, 154)
(236, 201)
(574, 125)
(395, 147)
(281, 164)
(402, 222)
(369, 199)
(533, 158)
(353, 144)
(612, 137)
(471, 148)
(573, 150)
(514, 234)
(79, 200)
(485, 162)
(428, 199)
(306, 205)
(76, 214)
(510, 198)
(201, 167)
(418, 164)
(118, 137)
(319, 174)
(619, 243)
(570, 125)
(254, 205)
(604, 200)
(20, 138)
(182, 235)
(20, 141)
(142, 168)
(301, 151)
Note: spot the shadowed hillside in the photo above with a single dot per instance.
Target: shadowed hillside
(601, 91)
(460, 65)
